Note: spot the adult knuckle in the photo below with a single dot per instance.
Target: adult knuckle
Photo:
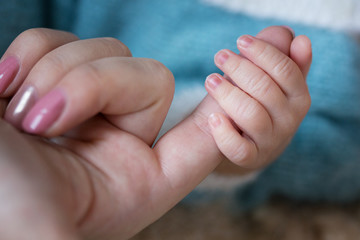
(118, 45)
(92, 74)
(164, 75)
(54, 62)
(200, 120)
(38, 36)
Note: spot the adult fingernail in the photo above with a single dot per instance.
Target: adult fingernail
(8, 70)
(19, 106)
(45, 112)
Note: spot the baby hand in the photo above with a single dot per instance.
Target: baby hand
(264, 96)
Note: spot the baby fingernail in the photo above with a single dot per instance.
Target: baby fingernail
(212, 81)
(21, 103)
(221, 57)
(214, 120)
(245, 41)
(45, 112)
(8, 70)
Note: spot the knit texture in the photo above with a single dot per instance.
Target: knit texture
(323, 160)
(332, 14)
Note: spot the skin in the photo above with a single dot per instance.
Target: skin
(299, 51)
(94, 173)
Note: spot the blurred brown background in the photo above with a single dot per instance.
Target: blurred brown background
(280, 219)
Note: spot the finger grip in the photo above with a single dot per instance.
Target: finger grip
(238, 149)
(131, 94)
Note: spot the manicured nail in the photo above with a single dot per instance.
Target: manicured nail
(20, 105)
(245, 41)
(212, 81)
(221, 57)
(8, 70)
(45, 112)
(214, 120)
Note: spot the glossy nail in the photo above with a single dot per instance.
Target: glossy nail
(45, 112)
(8, 70)
(19, 106)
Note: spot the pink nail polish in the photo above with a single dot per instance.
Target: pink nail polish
(19, 106)
(8, 70)
(221, 57)
(212, 81)
(45, 112)
(245, 41)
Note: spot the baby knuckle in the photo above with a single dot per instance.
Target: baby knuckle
(234, 68)
(284, 68)
(259, 85)
(263, 52)
(241, 155)
(229, 96)
(289, 124)
(255, 116)
(302, 105)
(307, 103)
(247, 109)
(262, 126)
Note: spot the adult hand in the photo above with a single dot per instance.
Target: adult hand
(90, 170)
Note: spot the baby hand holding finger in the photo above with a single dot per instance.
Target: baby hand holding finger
(265, 98)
